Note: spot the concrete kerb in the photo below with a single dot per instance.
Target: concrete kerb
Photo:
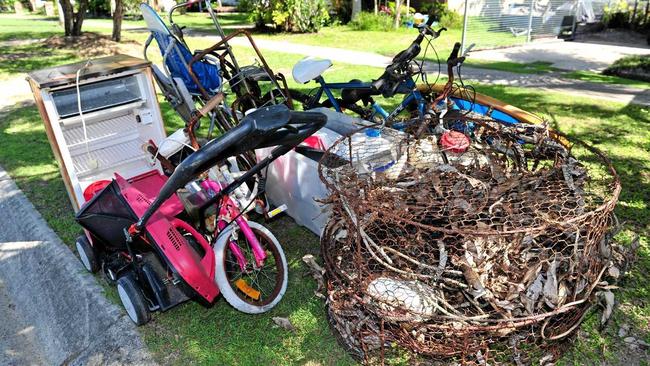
(72, 321)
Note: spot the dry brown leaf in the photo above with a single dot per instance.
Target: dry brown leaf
(284, 323)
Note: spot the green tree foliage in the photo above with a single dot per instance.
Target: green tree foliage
(6, 5)
(442, 14)
(628, 15)
(391, 7)
(303, 16)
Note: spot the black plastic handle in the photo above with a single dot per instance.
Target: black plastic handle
(454, 52)
(270, 126)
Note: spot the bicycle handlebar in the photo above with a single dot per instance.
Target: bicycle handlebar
(395, 73)
(454, 52)
(414, 49)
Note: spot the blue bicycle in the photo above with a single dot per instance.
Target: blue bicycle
(398, 78)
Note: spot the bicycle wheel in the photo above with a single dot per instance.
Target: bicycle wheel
(254, 290)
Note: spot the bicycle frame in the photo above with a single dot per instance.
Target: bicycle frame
(415, 95)
(229, 209)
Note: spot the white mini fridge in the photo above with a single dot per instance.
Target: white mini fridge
(99, 119)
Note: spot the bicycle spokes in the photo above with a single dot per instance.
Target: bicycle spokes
(256, 284)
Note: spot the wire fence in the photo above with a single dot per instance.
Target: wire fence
(503, 23)
(479, 257)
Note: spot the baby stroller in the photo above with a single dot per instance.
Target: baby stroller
(190, 78)
(166, 240)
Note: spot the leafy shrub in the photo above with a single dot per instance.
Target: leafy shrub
(370, 22)
(98, 8)
(290, 15)
(6, 5)
(341, 11)
(310, 15)
(619, 14)
(245, 6)
(434, 8)
(632, 67)
(451, 20)
(442, 14)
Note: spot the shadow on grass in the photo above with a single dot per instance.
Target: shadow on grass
(26, 58)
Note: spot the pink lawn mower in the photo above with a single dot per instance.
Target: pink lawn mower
(166, 240)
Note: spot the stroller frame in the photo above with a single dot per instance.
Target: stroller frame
(233, 77)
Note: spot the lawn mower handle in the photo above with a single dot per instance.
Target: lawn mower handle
(270, 126)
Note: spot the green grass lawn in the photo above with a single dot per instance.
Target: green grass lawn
(390, 43)
(537, 67)
(605, 79)
(384, 43)
(219, 335)
(24, 58)
(14, 27)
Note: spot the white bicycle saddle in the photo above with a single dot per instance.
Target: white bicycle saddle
(309, 68)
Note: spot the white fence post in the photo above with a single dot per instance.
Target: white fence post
(462, 38)
(530, 21)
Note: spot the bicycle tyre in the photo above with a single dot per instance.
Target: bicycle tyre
(232, 296)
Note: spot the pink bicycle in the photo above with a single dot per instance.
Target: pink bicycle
(251, 266)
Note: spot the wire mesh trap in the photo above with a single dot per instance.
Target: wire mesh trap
(488, 254)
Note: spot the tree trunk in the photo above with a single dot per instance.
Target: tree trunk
(68, 14)
(356, 7)
(79, 18)
(376, 7)
(408, 7)
(117, 20)
(398, 11)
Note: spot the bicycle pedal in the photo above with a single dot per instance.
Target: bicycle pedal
(276, 211)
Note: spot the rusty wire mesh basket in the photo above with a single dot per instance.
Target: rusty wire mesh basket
(491, 255)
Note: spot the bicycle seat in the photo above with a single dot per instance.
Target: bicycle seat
(309, 68)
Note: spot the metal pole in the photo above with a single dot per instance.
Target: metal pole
(530, 21)
(462, 39)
